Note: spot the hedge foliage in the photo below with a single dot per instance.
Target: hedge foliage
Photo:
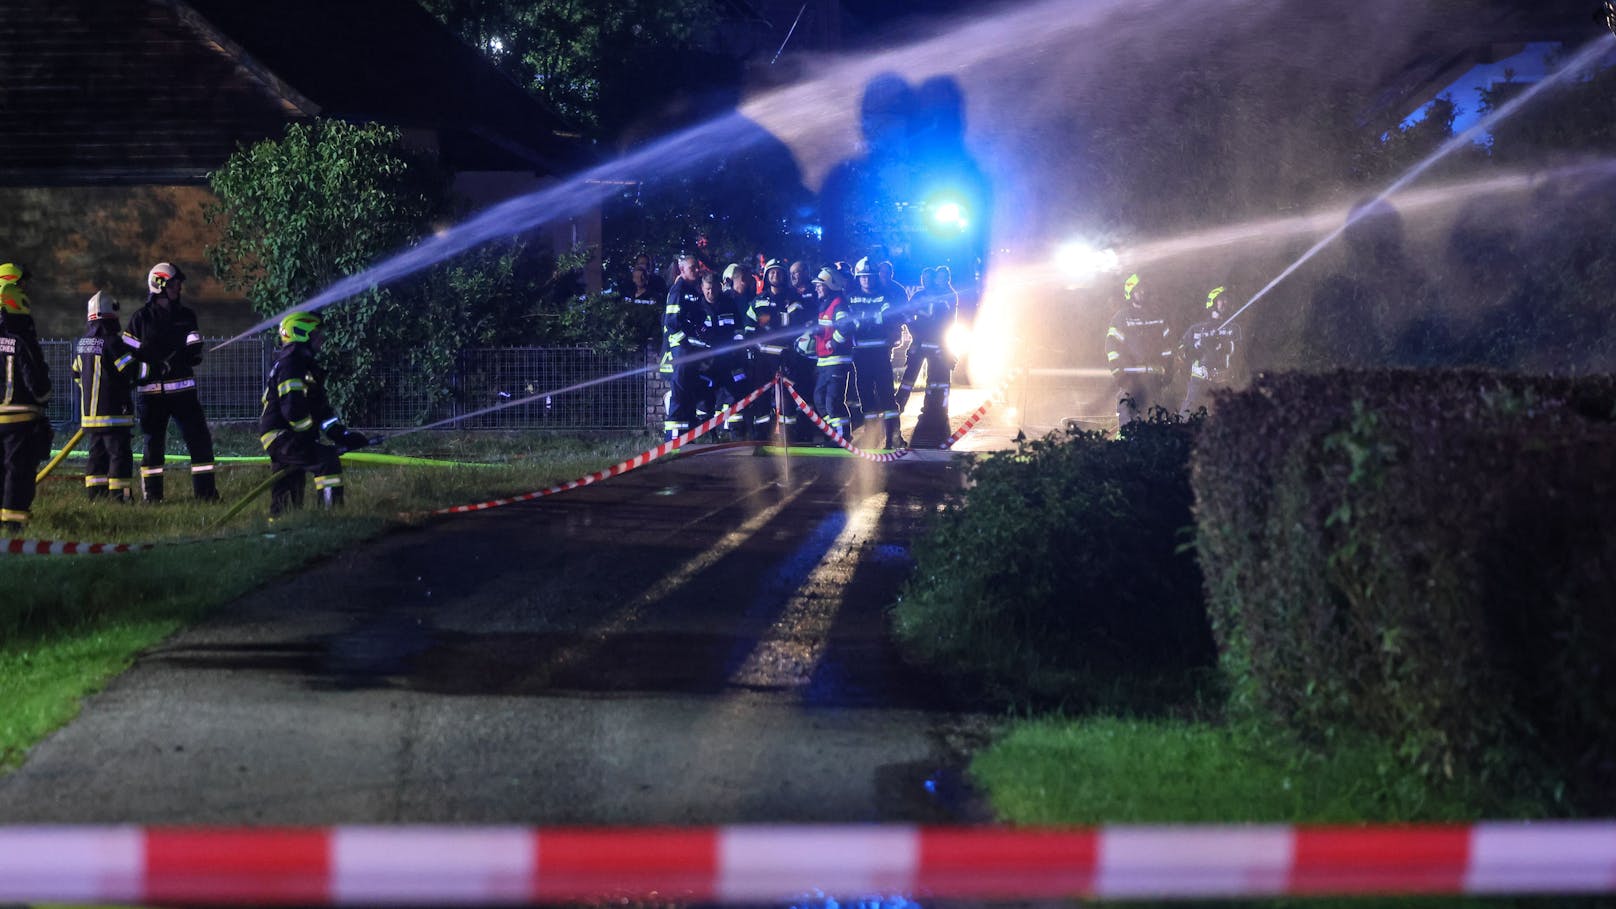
(1063, 568)
(1428, 558)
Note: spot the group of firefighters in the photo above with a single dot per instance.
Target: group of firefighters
(1141, 352)
(830, 333)
(144, 374)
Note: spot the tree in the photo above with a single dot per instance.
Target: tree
(596, 63)
(328, 200)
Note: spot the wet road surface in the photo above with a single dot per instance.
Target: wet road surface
(700, 641)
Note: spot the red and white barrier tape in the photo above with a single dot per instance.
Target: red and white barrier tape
(456, 865)
(808, 411)
(981, 412)
(639, 460)
(68, 547)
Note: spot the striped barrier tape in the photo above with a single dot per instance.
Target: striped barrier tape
(639, 460)
(981, 412)
(514, 865)
(68, 547)
(808, 411)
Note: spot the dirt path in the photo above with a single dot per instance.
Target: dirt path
(701, 641)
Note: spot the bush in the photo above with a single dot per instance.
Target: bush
(1422, 557)
(1062, 567)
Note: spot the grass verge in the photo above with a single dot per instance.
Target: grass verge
(69, 623)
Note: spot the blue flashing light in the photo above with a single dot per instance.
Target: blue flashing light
(950, 214)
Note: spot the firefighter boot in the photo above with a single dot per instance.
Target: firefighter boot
(329, 489)
(151, 485)
(94, 490)
(895, 439)
(203, 486)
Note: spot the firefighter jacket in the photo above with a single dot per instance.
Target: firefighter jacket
(27, 385)
(833, 339)
(769, 317)
(687, 321)
(164, 337)
(105, 371)
(294, 398)
(877, 316)
(933, 311)
(729, 317)
(1210, 348)
(1137, 343)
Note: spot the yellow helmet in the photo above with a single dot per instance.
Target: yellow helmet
(14, 300)
(298, 327)
(1129, 285)
(1212, 298)
(11, 273)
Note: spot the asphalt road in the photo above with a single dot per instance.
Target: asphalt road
(701, 641)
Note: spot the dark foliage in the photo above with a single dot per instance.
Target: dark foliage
(1063, 567)
(1425, 558)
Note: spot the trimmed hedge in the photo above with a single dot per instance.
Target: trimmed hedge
(1061, 575)
(1428, 558)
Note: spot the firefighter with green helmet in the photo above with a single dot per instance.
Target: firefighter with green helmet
(296, 413)
(1213, 350)
(25, 388)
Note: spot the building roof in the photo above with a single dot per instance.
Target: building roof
(163, 91)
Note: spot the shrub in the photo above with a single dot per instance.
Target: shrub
(1423, 557)
(1062, 567)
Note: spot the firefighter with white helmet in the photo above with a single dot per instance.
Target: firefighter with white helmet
(877, 313)
(831, 342)
(106, 372)
(25, 389)
(296, 413)
(163, 335)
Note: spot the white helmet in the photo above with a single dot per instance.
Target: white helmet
(863, 268)
(160, 275)
(102, 306)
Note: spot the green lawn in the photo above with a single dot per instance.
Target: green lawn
(69, 623)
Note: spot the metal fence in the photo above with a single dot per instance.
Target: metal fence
(619, 391)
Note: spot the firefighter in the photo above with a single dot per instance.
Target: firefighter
(106, 371)
(25, 387)
(295, 414)
(831, 342)
(164, 337)
(1213, 351)
(769, 321)
(933, 305)
(1138, 352)
(729, 371)
(802, 284)
(687, 322)
(876, 312)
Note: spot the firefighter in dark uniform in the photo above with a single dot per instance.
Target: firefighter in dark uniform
(106, 371)
(1139, 353)
(769, 323)
(164, 337)
(877, 319)
(687, 322)
(25, 388)
(933, 306)
(1213, 351)
(296, 413)
(730, 369)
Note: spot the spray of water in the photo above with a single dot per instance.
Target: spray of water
(1586, 57)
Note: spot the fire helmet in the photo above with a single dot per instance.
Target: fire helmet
(863, 268)
(1129, 285)
(731, 269)
(771, 264)
(1212, 298)
(298, 327)
(161, 274)
(830, 278)
(13, 300)
(102, 306)
(11, 273)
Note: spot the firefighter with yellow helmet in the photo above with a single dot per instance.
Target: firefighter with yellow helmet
(25, 388)
(296, 413)
(1139, 351)
(1213, 351)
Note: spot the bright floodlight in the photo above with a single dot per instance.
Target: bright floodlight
(951, 214)
(958, 339)
(1079, 260)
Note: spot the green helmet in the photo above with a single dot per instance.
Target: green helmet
(1129, 285)
(1212, 298)
(298, 327)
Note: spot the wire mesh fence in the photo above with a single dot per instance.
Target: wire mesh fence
(575, 389)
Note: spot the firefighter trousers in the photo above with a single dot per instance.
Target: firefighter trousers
(155, 409)
(111, 467)
(20, 454)
(300, 453)
(830, 395)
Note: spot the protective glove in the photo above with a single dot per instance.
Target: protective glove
(352, 439)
